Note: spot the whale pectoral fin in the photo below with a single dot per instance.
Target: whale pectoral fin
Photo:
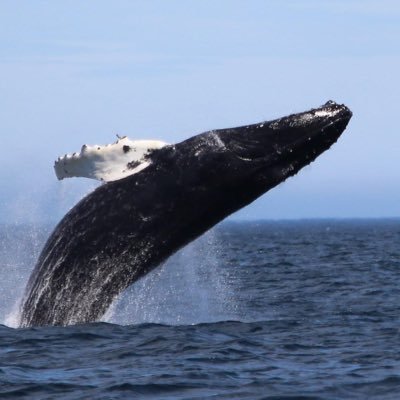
(109, 162)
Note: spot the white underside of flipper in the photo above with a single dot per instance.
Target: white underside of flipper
(107, 163)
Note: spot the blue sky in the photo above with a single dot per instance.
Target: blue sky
(80, 72)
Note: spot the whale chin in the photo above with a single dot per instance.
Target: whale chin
(127, 227)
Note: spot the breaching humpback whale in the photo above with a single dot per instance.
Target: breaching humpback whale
(127, 227)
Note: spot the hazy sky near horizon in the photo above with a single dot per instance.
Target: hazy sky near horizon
(80, 72)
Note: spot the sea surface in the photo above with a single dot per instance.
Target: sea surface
(251, 310)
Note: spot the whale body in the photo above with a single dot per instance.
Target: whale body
(127, 227)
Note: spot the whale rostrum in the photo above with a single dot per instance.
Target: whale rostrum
(130, 225)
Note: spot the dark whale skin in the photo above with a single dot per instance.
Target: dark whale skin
(125, 228)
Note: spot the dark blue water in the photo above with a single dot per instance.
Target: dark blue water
(269, 310)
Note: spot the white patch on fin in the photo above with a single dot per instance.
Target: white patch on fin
(107, 163)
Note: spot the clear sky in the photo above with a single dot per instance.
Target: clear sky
(74, 72)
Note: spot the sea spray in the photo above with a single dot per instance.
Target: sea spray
(19, 248)
(21, 239)
(189, 288)
(31, 218)
(69, 192)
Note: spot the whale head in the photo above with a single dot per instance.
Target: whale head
(229, 168)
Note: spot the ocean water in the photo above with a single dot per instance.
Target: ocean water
(251, 310)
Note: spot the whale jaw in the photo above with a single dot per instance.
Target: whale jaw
(307, 135)
(290, 142)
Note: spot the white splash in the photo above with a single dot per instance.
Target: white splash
(107, 162)
(190, 288)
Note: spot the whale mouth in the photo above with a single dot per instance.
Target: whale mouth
(318, 130)
(285, 145)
